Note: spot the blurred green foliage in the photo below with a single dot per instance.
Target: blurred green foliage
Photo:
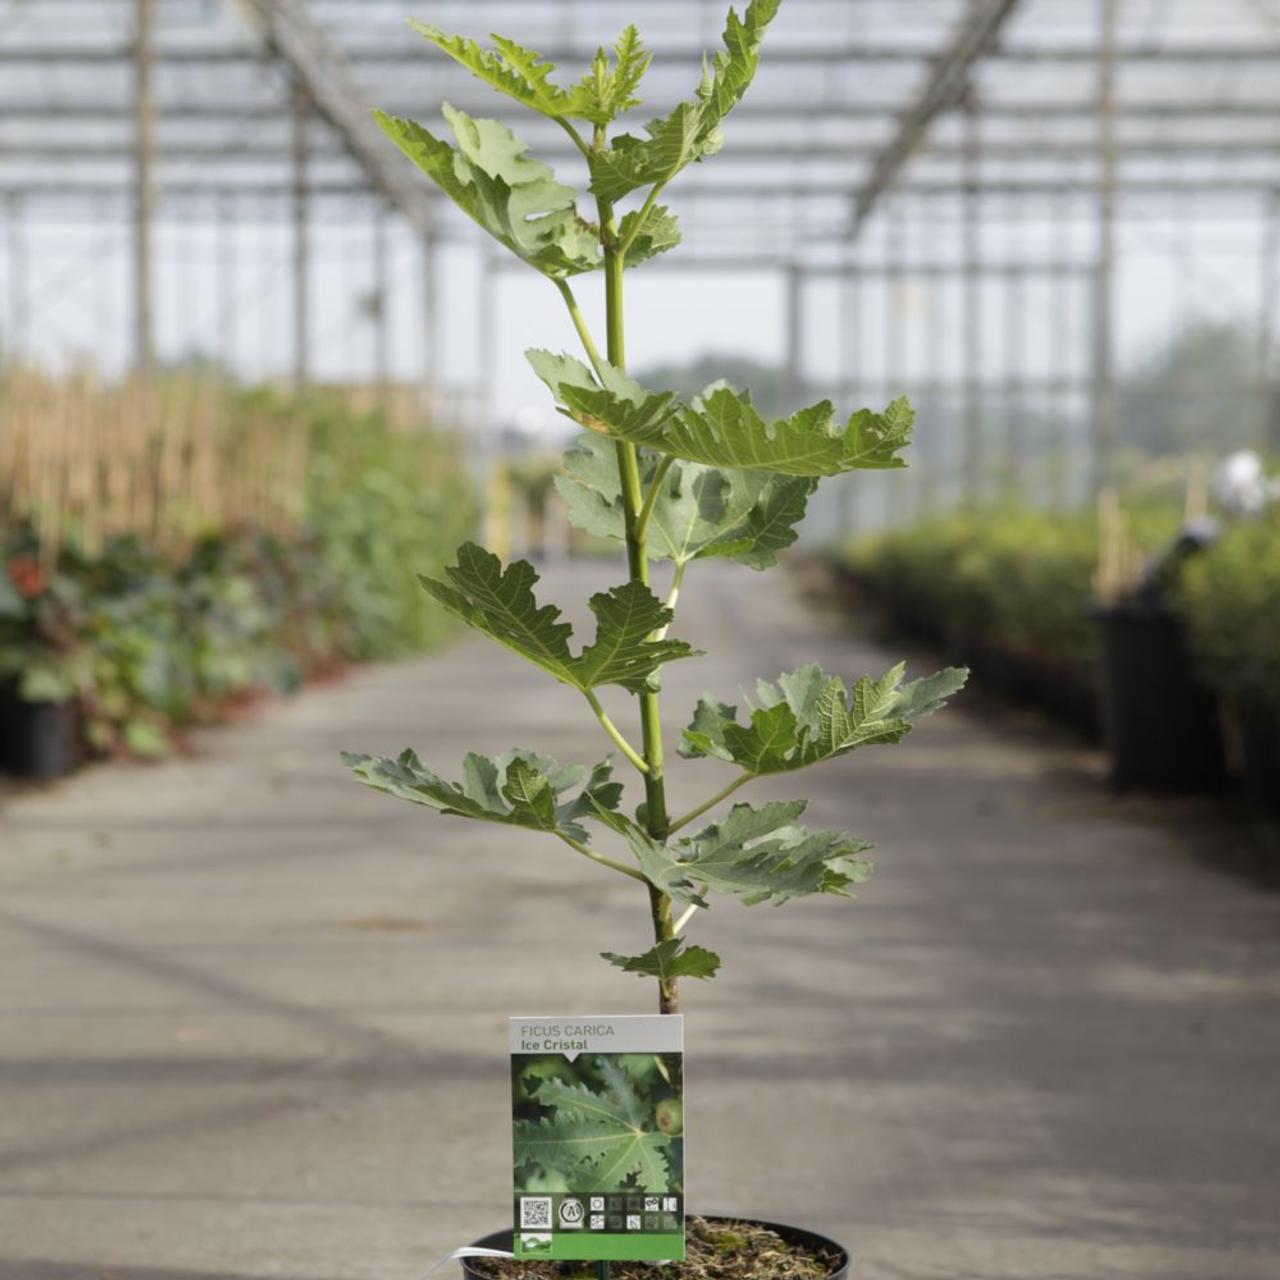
(148, 641)
(1009, 576)
(1230, 599)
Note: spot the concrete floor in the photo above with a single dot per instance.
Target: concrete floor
(252, 1016)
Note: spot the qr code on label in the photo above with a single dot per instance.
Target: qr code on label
(535, 1211)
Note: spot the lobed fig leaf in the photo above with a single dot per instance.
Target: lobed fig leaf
(692, 129)
(519, 788)
(500, 602)
(756, 855)
(721, 428)
(516, 199)
(700, 512)
(668, 959)
(808, 716)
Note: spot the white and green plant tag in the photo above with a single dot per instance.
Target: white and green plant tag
(598, 1132)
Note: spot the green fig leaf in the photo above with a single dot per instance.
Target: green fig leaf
(808, 716)
(669, 959)
(756, 855)
(692, 130)
(500, 602)
(700, 512)
(722, 428)
(516, 199)
(519, 788)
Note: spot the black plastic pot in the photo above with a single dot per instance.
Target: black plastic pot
(1260, 747)
(1160, 722)
(39, 740)
(792, 1235)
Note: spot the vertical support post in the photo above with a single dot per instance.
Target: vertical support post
(1104, 389)
(1268, 289)
(1061, 364)
(16, 275)
(430, 330)
(493, 478)
(227, 282)
(794, 338)
(852, 379)
(931, 461)
(974, 462)
(382, 311)
(143, 186)
(301, 241)
(895, 235)
(1014, 361)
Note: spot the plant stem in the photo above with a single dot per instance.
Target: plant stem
(615, 733)
(603, 859)
(655, 796)
(686, 818)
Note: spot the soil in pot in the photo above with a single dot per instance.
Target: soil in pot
(716, 1249)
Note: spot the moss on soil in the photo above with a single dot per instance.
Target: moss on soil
(715, 1251)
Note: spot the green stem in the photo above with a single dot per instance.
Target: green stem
(605, 861)
(655, 795)
(615, 733)
(741, 780)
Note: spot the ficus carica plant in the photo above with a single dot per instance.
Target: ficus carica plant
(667, 480)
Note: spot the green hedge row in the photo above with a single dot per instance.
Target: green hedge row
(147, 641)
(1230, 600)
(1022, 581)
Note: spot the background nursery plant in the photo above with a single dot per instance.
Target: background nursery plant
(669, 480)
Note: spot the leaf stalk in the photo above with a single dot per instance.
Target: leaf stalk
(683, 821)
(615, 733)
(651, 498)
(603, 859)
(650, 200)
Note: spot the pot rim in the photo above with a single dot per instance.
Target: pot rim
(793, 1234)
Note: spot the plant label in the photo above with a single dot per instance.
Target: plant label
(597, 1107)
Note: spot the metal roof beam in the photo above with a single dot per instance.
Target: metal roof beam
(947, 82)
(278, 150)
(27, 112)
(780, 55)
(1207, 188)
(290, 30)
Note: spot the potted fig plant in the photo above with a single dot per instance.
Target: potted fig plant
(667, 480)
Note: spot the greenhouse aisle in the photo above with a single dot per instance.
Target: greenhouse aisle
(252, 1016)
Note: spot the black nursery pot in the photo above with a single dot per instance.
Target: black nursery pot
(1260, 739)
(39, 740)
(1159, 720)
(796, 1236)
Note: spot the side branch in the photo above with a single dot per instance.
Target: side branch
(615, 733)
(605, 861)
(580, 324)
(651, 498)
(650, 200)
(741, 780)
